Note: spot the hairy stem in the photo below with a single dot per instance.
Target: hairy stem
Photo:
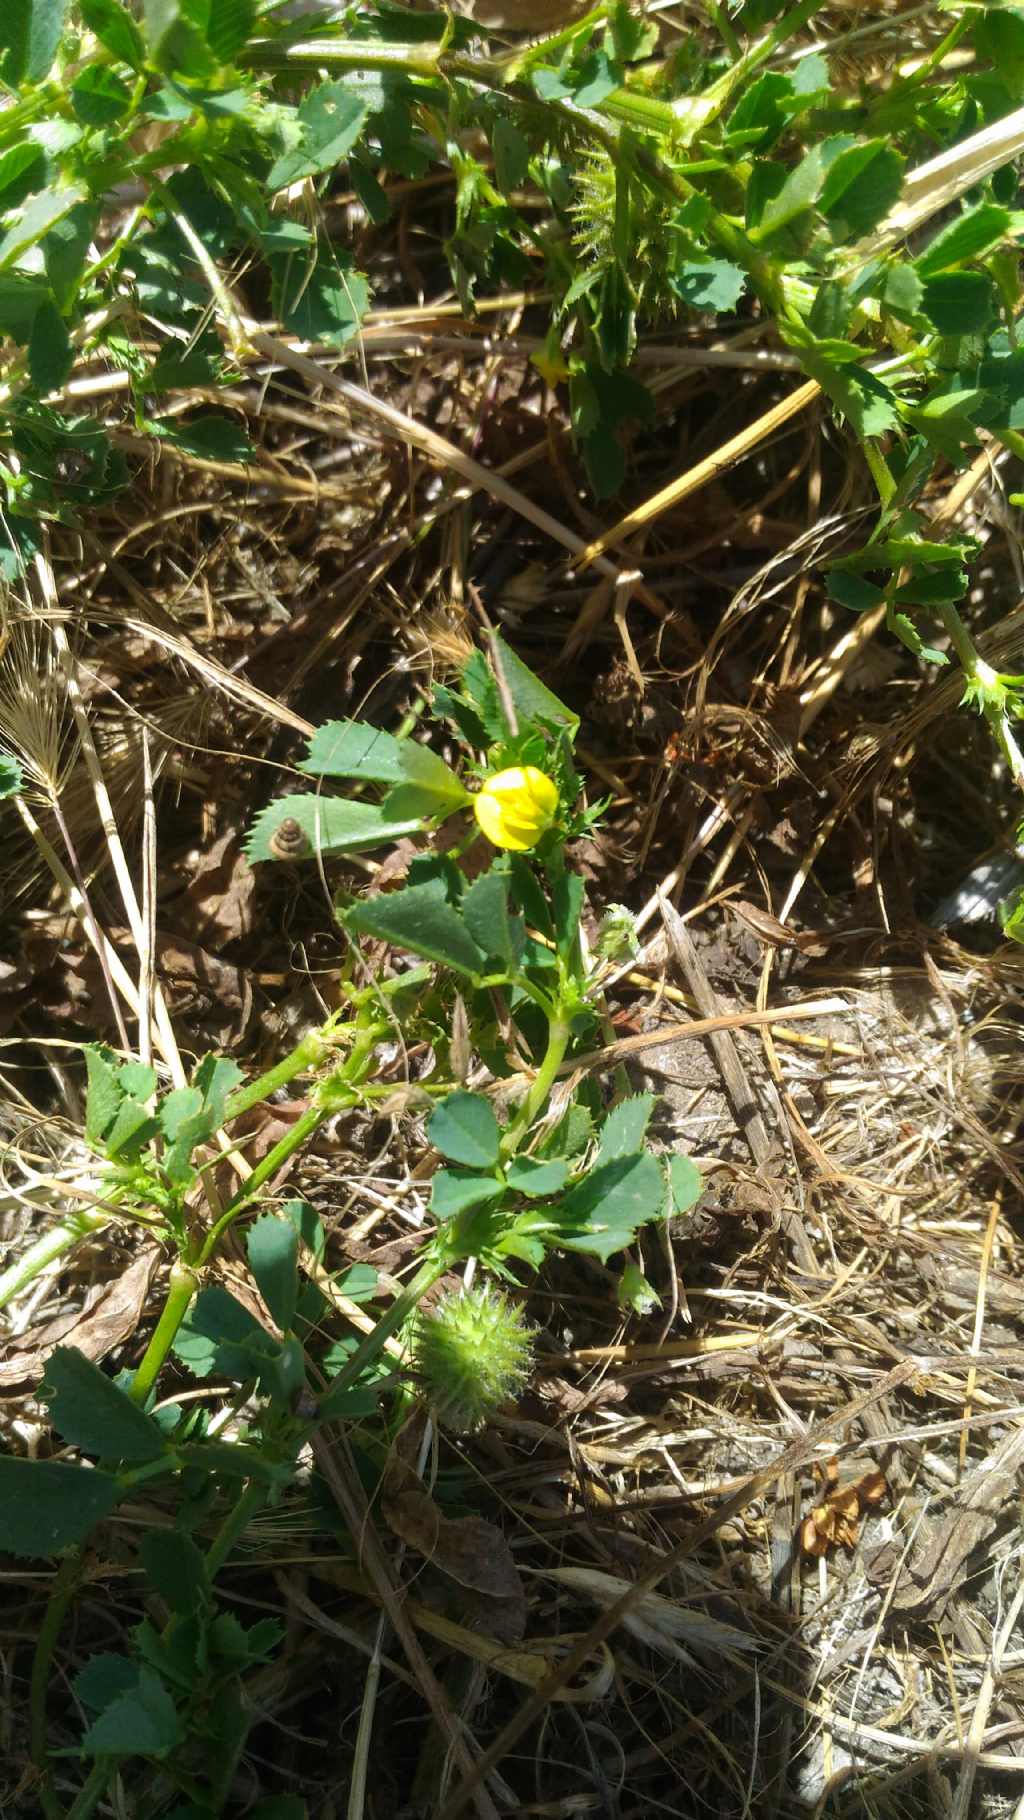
(244, 1508)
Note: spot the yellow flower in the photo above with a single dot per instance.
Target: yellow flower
(515, 807)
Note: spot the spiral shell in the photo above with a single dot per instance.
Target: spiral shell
(288, 840)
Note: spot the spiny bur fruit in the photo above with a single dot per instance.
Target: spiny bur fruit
(472, 1352)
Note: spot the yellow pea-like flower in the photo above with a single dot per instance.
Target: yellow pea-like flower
(515, 807)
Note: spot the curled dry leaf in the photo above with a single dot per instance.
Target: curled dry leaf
(109, 1316)
(836, 1519)
(469, 1550)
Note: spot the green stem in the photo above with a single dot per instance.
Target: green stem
(306, 1055)
(401, 1308)
(61, 1593)
(293, 1140)
(721, 92)
(342, 53)
(180, 1290)
(541, 50)
(88, 1798)
(978, 671)
(51, 1245)
(879, 470)
(723, 25)
(543, 1081)
(245, 1507)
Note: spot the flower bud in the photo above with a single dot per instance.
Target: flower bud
(515, 807)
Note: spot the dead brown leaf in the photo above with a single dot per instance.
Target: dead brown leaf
(109, 1316)
(469, 1550)
(219, 898)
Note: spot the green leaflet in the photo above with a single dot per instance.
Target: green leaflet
(463, 1128)
(93, 1413)
(323, 824)
(45, 1507)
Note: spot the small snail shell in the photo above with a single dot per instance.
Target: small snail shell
(288, 840)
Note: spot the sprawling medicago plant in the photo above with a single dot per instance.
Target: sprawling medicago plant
(475, 960)
(623, 175)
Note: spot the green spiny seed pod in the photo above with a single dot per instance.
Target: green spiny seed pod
(654, 239)
(472, 1351)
